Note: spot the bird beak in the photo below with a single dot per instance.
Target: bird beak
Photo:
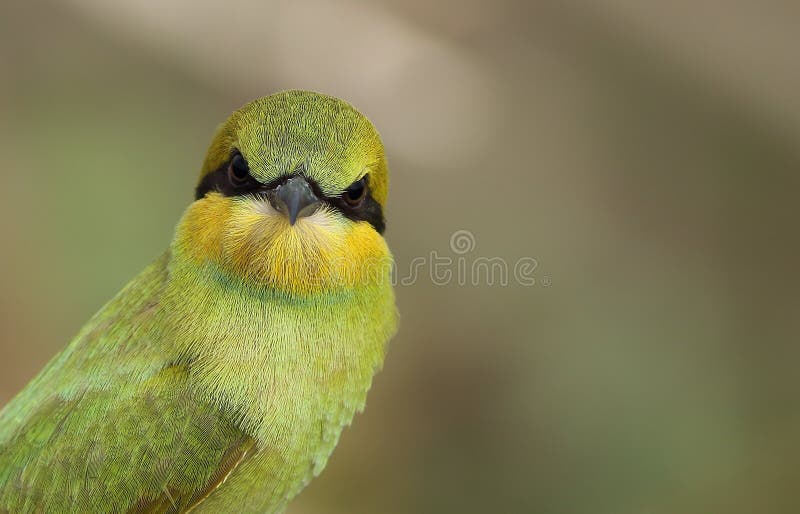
(294, 199)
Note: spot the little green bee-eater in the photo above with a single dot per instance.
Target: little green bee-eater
(220, 378)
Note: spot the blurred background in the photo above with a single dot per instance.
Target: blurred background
(644, 154)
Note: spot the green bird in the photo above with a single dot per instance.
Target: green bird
(220, 378)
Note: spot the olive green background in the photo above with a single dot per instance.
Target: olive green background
(644, 154)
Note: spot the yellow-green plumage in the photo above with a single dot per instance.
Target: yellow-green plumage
(220, 378)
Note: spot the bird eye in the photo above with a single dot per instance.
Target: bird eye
(238, 170)
(355, 194)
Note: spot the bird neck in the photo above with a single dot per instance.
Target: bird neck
(283, 361)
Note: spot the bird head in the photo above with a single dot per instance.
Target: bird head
(291, 196)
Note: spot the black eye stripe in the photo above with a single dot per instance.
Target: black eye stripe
(220, 179)
(239, 168)
(368, 209)
(356, 188)
(355, 193)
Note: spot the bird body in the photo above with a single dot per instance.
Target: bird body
(220, 378)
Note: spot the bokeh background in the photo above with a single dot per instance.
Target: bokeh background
(644, 153)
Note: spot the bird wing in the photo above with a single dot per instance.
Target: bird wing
(158, 448)
(115, 424)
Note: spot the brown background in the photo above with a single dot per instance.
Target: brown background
(645, 155)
